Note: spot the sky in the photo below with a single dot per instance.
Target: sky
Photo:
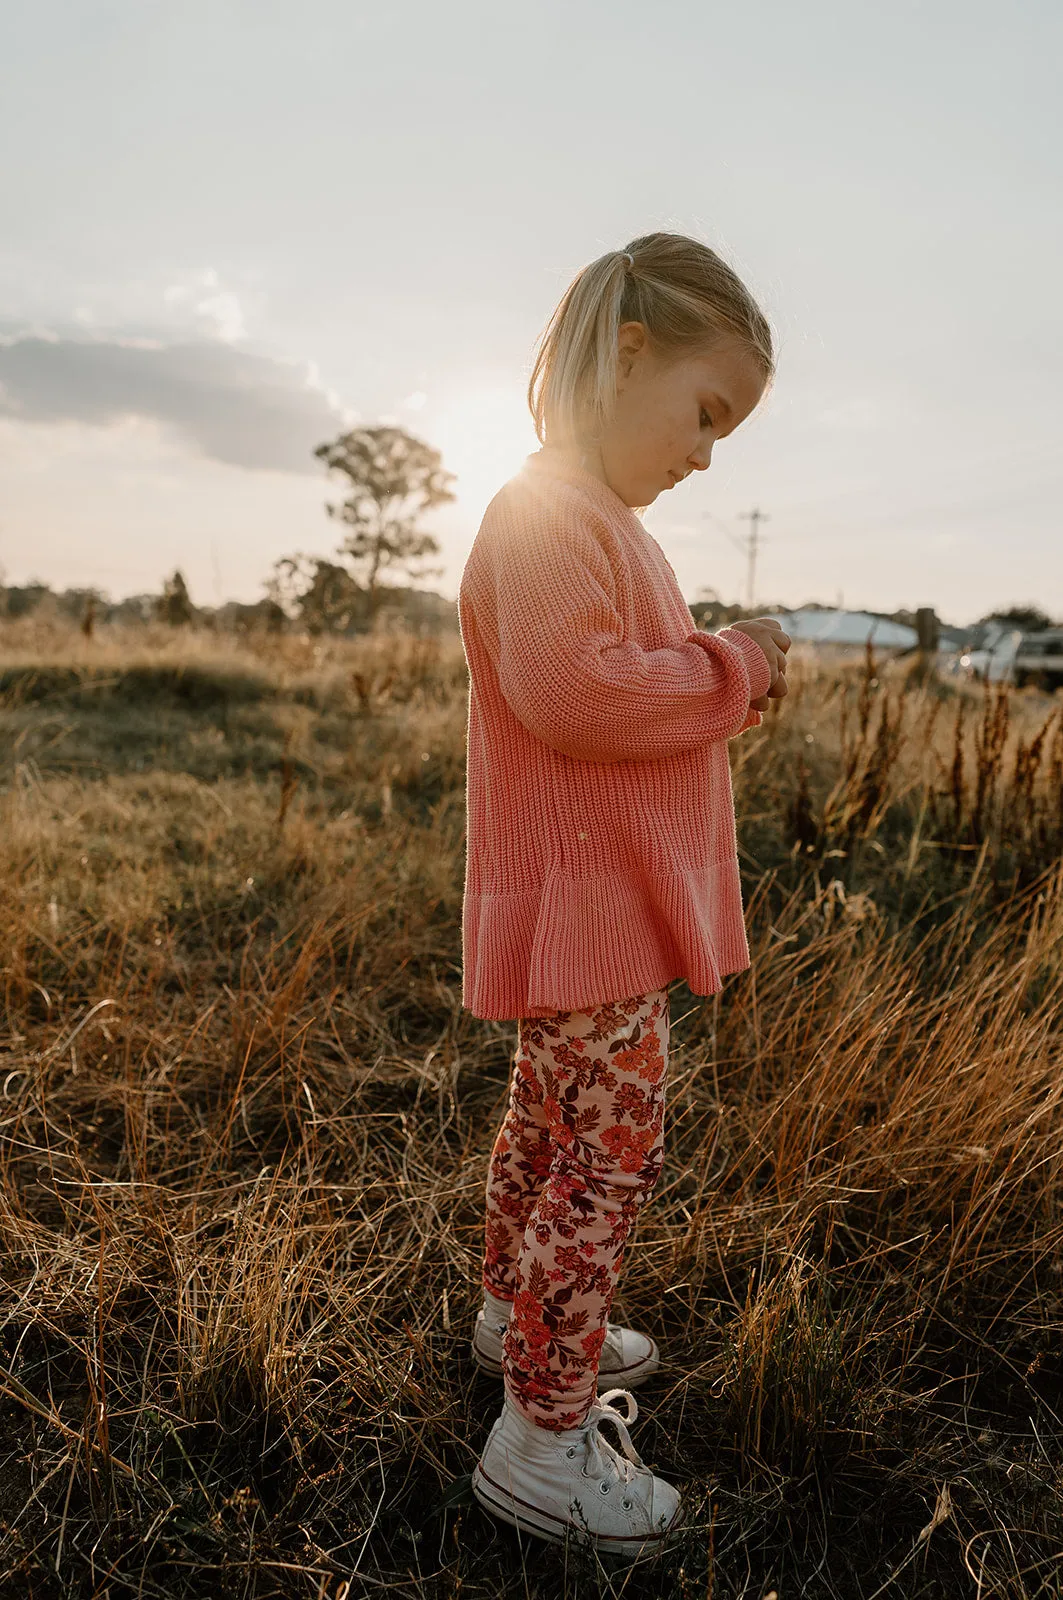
(233, 229)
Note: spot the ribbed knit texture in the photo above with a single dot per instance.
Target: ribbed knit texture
(601, 858)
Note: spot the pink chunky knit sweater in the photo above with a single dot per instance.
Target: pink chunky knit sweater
(601, 856)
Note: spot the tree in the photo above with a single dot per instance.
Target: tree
(134, 608)
(20, 601)
(394, 478)
(174, 605)
(323, 596)
(1030, 618)
(257, 616)
(79, 604)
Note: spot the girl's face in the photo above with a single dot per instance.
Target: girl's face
(669, 414)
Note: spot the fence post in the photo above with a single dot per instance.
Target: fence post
(928, 630)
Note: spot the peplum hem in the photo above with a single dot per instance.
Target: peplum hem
(583, 941)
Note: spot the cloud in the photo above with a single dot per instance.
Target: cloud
(246, 410)
(205, 295)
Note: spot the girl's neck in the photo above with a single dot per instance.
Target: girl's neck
(588, 457)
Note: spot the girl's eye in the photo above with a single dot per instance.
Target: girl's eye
(706, 420)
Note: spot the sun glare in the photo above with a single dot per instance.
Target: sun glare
(484, 432)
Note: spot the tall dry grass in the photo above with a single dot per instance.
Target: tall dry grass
(246, 1123)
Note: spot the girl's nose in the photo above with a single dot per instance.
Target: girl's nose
(701, 458)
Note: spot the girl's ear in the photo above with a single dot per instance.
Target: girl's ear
(630, 339)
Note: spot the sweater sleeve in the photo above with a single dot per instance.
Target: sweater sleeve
(753, 720)
(573, 679)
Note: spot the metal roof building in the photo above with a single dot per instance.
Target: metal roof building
(845, 628)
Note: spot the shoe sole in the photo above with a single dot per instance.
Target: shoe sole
(621, 1378)
(532, 1519)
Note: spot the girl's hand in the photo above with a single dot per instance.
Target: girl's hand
(774, 642)
(776, 692)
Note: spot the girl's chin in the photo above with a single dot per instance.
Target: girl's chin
(633, 494)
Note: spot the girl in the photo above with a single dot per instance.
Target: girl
(601, 853)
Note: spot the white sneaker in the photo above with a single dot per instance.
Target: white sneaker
(545, 1482)
(627, 1358)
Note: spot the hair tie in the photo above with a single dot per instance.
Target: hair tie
(628, 257)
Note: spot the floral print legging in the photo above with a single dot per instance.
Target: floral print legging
(577, 1155)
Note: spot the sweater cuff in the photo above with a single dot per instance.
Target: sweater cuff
(755, 659)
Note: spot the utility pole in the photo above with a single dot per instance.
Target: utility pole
(754, 518)
(749, 544)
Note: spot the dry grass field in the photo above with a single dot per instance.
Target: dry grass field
(246, 1124)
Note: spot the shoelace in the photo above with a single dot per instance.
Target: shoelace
(606, 1456)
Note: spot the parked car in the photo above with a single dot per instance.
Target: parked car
(1040, 659)
(1008, 655)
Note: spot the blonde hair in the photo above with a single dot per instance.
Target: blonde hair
(682, 292)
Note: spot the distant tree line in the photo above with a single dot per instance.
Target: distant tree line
(331, 605)
(419, 609)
